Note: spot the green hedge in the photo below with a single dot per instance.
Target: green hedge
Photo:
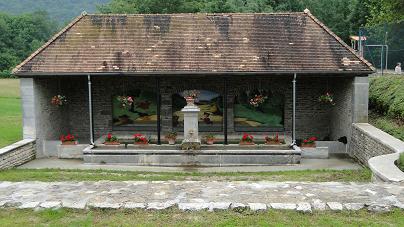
(386, 96)
(6, 74)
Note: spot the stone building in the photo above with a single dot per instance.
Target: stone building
(256, 73)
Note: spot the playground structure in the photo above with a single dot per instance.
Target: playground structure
(381, 45)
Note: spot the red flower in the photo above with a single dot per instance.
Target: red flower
(313, 138)
(109, 136)
(305, 141)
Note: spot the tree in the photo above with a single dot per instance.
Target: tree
(385, 11)
(20, 36)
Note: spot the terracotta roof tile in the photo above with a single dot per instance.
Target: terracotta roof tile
(279, 42)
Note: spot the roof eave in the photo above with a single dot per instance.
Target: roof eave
(173, 73)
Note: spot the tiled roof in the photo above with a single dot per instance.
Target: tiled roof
(194, 43)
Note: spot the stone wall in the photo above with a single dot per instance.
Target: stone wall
(51, 121)
(341, 114)
(368, 141)
(17, 154)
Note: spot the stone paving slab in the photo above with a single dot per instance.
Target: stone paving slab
(203, 195)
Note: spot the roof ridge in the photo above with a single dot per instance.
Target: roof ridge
(57, 35)
(199, 13)
(325, 28)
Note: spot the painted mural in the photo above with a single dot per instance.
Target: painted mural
(210, 104)
(258, 108)
(137, 108)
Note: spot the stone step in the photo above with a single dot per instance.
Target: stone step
(204, 157)
(219, 147)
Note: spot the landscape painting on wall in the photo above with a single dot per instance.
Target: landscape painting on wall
(211, 115)
(141, 111)
(258, 109)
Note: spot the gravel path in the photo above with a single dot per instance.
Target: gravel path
(198, 195)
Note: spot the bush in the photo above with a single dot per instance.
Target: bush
(6, 74)
(386, 96)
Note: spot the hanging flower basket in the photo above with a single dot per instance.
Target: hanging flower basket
(327, 98)
(59, 100)
(125, 101)
(257, 100)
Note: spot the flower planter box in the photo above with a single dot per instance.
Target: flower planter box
(210, 142)
(111, 143)
(273, 143)
(71, 151)
(308, 145)
(70, 143)
(171, 141)
(246, 143)
(315, 152)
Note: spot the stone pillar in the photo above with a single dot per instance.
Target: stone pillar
(28, 108)
(360, 100)
(190, 112)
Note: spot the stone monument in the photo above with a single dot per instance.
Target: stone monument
(191, 115)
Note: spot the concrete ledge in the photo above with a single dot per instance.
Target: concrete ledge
(171, 157)
(315, 152)
(15, 145)
(386, 139)
(71, 151)
(383, 166)
(384, 169)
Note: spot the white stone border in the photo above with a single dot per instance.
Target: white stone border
(304, 207)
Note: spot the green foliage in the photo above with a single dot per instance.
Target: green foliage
(386, 96)
(387, 124)
(401, 162)
(381, 11)
(20, 36)
(61, 11)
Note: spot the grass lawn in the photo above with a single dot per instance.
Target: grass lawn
(363, 175)
(10, 112)
(174, 217)
(387, 124)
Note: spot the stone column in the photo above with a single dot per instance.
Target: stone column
(360, 99)
(28, 108)
(191, 138)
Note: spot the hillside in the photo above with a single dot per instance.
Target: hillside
(61, 11)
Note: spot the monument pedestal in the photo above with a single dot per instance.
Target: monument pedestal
(191, 138)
